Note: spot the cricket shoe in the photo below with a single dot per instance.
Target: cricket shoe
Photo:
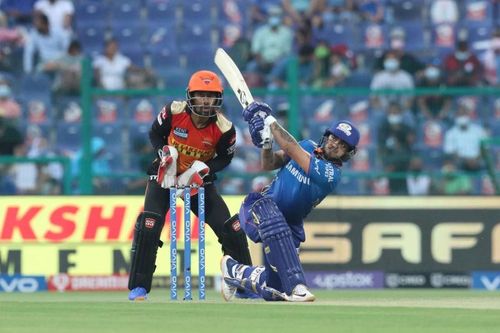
(138, 294)
(229, 282)
(301, 294)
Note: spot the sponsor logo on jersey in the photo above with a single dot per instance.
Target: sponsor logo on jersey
(149, 223)
(236, 225)
(207, 143)
(316, 166)
(231, 149)
(297, 174)
(329, 172)
(181, 132)
(162, 115)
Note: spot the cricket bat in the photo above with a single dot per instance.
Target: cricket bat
(233, 77)
(237, 82)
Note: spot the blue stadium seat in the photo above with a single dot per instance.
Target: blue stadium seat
(126, 10)
(404, 10)
(198, 57)
(92, 36)
(195, 35)
(372, 37)
(197, 11)
(37, 109)
(338, 34)
(91, 11)
(359, 79)
(112, 134)
(161, 35)
(415, 33)
(478, 12)
(477, 33)
(143, 110)
(128, 35)
(162, 10)
(109, 110)
(68, 137)
(35, 84)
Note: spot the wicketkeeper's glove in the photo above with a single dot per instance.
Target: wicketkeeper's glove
(167, 170)
(193, 177)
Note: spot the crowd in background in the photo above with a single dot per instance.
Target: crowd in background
(375, 44)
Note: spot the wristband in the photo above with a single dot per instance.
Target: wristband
(269, 120)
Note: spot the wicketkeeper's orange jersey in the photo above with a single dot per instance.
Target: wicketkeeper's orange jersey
(213, 144)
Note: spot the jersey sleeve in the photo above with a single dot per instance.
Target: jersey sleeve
(225, 151)
(324, 173)
(160, 129)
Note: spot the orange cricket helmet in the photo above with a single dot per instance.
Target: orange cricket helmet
(204, 81)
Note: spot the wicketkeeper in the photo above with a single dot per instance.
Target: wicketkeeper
(194, 141)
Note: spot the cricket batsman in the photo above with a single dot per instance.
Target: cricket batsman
(308, 172)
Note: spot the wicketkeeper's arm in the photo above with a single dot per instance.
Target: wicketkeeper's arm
(225, 151)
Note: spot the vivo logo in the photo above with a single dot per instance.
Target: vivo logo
(486, 280)
(23, 284)
(491, 284)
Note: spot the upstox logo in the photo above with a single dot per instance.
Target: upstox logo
(486, 280)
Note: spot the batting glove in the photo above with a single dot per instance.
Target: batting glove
(256, 108)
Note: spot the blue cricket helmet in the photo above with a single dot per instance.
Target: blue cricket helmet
(348, 133)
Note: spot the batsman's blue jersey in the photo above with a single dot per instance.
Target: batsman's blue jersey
(297, 193)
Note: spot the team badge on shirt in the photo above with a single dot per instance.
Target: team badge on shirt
(181, 132)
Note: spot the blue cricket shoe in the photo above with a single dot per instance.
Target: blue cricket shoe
(138, 294)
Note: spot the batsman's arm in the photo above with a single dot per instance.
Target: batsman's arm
(272, 160)
(290, 147)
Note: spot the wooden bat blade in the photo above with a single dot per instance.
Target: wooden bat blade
(233, 76)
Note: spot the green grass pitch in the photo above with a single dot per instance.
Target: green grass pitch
(383, 311)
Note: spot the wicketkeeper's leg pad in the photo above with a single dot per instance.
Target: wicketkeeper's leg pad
(234, 241)
(277, 238)
(144, 247)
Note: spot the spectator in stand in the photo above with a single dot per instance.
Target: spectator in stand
(339, 70)
(48, 45)
(436, 106)
(11, 44)
(298, 11)
(407, 61)
(391, 77)
(9, 108)
(444, 11)
(454, 182)
(10, 137)
(371, 10)
(24, 174)
(417, 181)
(305, 69)
(462, 67)
(271, 43)
(101, 165)
(143, 155)
(67, 70)
(462, 141)
(395, 142)
(491, 60)
(111, 67)
(19, 12)
(59, 12)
